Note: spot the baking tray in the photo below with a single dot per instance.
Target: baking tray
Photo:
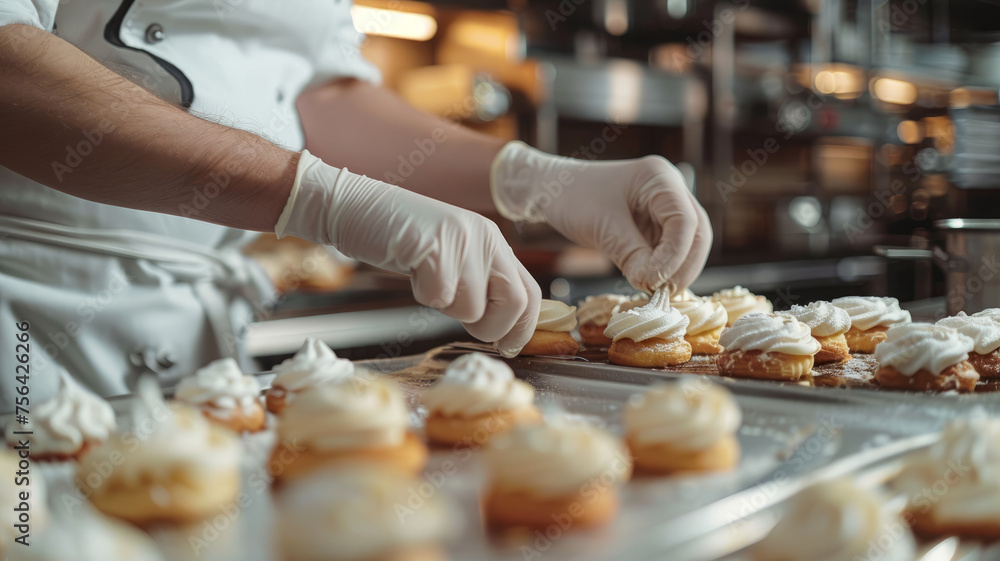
(784, 442)
(843, 383)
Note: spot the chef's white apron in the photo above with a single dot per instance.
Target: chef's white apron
(110, 292)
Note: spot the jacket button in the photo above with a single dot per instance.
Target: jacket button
(154, 33)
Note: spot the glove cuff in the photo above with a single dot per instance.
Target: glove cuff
(514, 182)
(306, 160)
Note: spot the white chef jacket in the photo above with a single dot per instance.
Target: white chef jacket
(111, 292)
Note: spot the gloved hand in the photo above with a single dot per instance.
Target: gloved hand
(638, 212)
(458, 261)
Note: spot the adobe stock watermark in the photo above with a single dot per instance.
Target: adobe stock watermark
(812, 448)
(258, 484)
(461, 452)
(589, 493)
(876, 209)
(919, 503)
(75, 153)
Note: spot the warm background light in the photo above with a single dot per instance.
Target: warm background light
(393, 23)
(894, 91)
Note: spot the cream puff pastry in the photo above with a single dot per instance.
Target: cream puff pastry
(66, 426)
(363, 512)
(593, 314)
(689, 426)
(173, 466)
(767, 346)
(542, 473)
(650, 336)
(828, 325)
(925, 357)
(365, 419)
(953, 487)
(871, 317)
(838, 521)
(739, 301)
(225, 395)
(315, 363)
(551, 336)
(477, 398)
(706, 320)
(985, 334)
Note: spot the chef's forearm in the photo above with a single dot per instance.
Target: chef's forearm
(76, 126)
(370, 130)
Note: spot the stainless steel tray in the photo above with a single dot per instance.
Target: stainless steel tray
(786, 443)
(847, 383)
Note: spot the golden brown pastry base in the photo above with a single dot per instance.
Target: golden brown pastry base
(961, 377)
(593, 334)
(765, 366)
(662, 458)
(832, 349)
(189, 501)
(454, 429)
(550, 343)
(589, 507)
(925, 525)
(252, 419)
(864, 341)
(276, 399)
(409, 457)
(706, 343)
(651, 353)
(987, 365)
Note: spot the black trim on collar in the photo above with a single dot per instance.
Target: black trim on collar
(112, 34)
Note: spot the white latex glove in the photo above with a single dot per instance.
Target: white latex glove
(458, 261)
(640, 212)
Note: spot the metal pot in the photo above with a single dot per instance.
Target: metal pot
(973, 266)
(970, 260)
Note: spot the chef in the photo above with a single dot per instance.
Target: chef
(145, 142)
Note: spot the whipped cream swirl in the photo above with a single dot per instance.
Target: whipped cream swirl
(967, 458)
(823, 318)
(992, 313)
(870, 311)
(693, 414)
(911, 347)
(352, 513)
(62, 425)
(315, 363)
(598, 309)
(474, 385)
(984, 331)
(555, 459)
(366, 412)
(739, 301)
(685, 296)
(556, 316)
(220, 385)
(769, 333)
(703, 315)
(655, 319)
(838, 521)
(635, 301)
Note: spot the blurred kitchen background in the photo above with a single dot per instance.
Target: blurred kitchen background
(839, 146)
